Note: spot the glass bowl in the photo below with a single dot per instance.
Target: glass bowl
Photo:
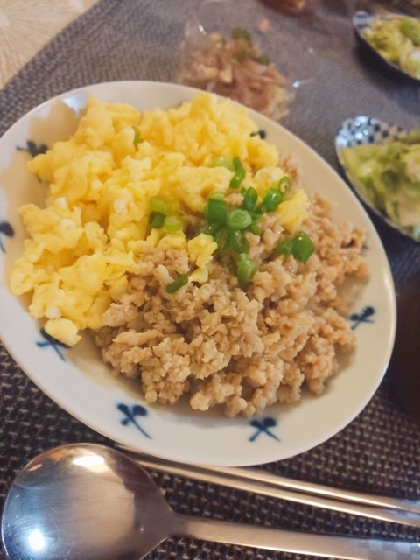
(245, 52)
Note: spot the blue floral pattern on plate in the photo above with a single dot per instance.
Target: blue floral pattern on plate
(365, 316)
(33, 148)
(51, 342)
(130, 415)
(263, 427)
(6, 230)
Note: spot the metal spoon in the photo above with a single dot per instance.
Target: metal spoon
(89, 502)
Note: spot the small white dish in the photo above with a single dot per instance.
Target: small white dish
(79, 382)
(359, 130)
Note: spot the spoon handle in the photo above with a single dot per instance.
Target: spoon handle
(290, 541)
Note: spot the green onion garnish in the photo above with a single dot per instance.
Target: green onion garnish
(272, 199)
(303, 247)
(239, 173)
(137, 138)
(160, 205)
(176, 284)
(245, 247)
(263, 60)
(242, 55)
(173, 224)
(240, 33)
(232, 240)
(256, 230)
(239, 219)
(249, 198)
(300, 246)
(156, 220)
(220, 238)
(220, 195)
(212, 229)
(224, 161)
(246, 270)
(216, 210)
(285, 247)
(285, 184)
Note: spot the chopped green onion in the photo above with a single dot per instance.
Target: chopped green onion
(245, 244)
(285, 184)
(220, 237)
(160, 205)
(249, 198)
(216, 210)
(228, 238)
(173, 224)
(239, 219)
(263, 60)
(303, 247)
(256, 216)
(239, 173)
(156, 220)
(256, 230)
(232, 240)
(285, 247)
(224, 161)
(272, 199)
(300, 246)
(176, 284)
(240, 33)
(212, 229)
(242, 55)
(246, 270)
(137, 138)
(220, 195)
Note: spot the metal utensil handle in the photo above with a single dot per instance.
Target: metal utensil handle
(320, 490)
(294, 542)
(213, 476)
(201, 472)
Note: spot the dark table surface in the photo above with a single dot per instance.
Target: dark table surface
(379, 450)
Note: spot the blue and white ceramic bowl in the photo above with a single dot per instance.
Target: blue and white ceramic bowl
(367, 130)
(361, 20)
(78, 381)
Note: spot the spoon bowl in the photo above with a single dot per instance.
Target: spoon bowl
(62, 498)
(90, 502)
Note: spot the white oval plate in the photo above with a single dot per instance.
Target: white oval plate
(77, 380)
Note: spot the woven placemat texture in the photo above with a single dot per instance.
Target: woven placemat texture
(379, 450)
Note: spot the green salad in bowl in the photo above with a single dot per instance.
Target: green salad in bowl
(383, 164)
(397, 40)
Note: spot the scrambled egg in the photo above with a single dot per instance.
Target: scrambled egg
(91, 233)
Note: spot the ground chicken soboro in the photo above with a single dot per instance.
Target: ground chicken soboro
(222, 345)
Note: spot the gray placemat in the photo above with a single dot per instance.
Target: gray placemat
(379, 450)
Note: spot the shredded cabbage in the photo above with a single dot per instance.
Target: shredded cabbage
(389, 174)
(397, 39)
